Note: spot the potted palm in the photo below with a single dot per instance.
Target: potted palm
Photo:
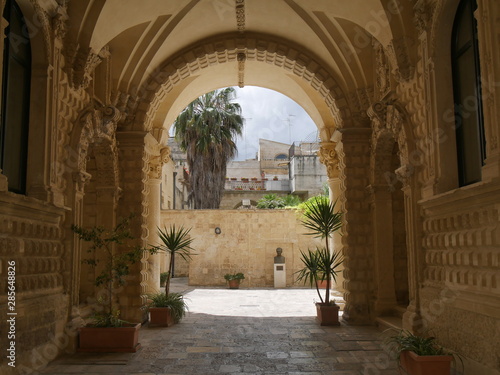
(168, 308)
(234, 279)
(322, 265)
(106, 332)
(419, 355)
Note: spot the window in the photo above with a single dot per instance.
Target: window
(16, 80)
(467, 94)
(281, 157)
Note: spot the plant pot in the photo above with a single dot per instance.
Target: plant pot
(327, 315)
(413, 364)
(234, 284)
(109, 340)
(160, 317)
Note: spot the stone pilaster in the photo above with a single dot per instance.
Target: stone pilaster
(412, 317)
(131, 154)
(354, 156)
(381, 198)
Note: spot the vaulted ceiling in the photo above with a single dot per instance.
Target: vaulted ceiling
(314, 51)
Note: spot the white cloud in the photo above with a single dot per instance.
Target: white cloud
(270, 115)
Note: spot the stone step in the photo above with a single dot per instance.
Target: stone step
(386, 322)
(398, 311)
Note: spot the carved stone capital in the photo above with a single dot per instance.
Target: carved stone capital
(404, 174)
(80, 179)
(165, 153)
(329, 157)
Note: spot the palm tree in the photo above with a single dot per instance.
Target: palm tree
(206, 130)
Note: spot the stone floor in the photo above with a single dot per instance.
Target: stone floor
(245, 331)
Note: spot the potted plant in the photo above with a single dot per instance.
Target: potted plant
(106, 332)
(419, 355)
(168, 308)
(321, 264)
(234, 279)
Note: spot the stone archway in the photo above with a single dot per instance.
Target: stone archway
(96, 187)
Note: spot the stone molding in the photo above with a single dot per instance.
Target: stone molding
(225, 49)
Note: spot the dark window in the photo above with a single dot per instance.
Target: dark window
(281, 157)
(467, 94)
(15, 99)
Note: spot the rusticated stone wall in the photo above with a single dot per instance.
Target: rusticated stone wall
(31, 244)
(247, 244)
(461, 292)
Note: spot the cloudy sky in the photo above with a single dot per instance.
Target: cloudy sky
(270, 115)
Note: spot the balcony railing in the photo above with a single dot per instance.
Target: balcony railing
(248, 184)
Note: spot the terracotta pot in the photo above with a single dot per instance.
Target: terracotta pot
(160, 316)
(234, 284)
(109, 340)
(413, 364)
(327, 315)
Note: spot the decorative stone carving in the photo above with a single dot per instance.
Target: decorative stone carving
(156, 162)
(45, 24)
(423, 14)
(241, 69)
(382, 71)
(240, 15)
(329, 157)
(59, 21)
(398, 52)
(84, 63)
(81, 178)
(98, 131)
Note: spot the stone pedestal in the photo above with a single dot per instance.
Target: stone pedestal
(279, 275)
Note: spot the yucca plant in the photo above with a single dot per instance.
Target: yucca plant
(174, 301)
(174, 241)
(321, 264)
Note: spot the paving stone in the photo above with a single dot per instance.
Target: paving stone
(248, 343)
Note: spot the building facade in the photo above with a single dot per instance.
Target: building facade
(406, 98)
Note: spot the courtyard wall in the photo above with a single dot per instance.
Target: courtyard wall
(247, 243)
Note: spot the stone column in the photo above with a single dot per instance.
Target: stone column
(153, 222)
(131, 160)
(328, 156)
(157, 156)
(381, 199)
(354, 156)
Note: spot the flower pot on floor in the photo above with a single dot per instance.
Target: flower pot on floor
(413, 364)
(109, 339)
(234, 284)
(327, 315)
(160, 317)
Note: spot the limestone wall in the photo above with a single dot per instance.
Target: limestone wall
(461, 289)
(247, 244)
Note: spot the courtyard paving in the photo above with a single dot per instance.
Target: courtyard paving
(245, 331)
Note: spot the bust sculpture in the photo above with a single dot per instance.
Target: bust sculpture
(279, 258)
